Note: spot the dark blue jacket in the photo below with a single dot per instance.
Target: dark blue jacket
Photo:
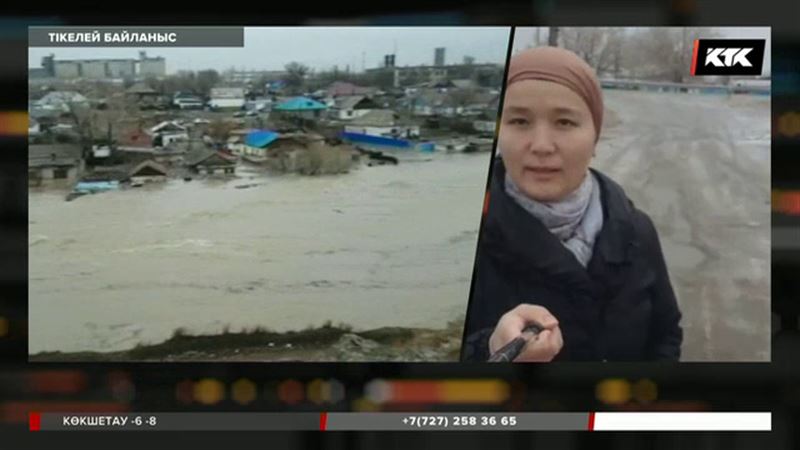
(621, 307)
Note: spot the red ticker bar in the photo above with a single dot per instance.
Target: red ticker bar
(34, 421)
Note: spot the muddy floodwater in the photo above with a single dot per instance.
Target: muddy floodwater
(379, 246)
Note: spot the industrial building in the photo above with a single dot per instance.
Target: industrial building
(99, 69)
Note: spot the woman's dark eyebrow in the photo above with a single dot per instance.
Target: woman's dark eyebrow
(565, 110)
(518, 109)
(555, 111)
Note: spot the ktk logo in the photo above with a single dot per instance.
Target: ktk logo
(728, 56)
(732, 56)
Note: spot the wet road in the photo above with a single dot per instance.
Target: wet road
(699, 165)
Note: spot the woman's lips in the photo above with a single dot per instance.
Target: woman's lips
(542, 172)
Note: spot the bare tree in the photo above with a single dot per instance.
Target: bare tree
(120, 116)
(220, 129)
(601, 48)
(206, 79)
(83, 126)
(665, 53)
(296, 75)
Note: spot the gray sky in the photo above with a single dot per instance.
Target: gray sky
(524, 36)
(318, 47)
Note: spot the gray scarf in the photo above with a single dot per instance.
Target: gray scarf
(575, 221)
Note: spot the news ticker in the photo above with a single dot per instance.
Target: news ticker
(334, 421)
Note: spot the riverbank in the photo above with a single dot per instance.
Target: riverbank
(328, 343)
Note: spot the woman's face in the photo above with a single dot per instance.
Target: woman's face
(546, 139)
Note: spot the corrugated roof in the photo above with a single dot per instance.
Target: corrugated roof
(148, 163)
(352, 101)
(202, 155)
(348, 102)
(300, 104)
(260, 139)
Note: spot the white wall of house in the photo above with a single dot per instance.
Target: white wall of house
(254, 151)
(167, 139)
(404, 132)
(66, 173)
(148, 179)
(227, 103)
(237, 148)
(228, 170)
(101, 152)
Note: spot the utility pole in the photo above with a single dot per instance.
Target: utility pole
(684, 51)
(552, 38)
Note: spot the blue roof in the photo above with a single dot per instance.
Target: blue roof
(260, 139)
(300, 104)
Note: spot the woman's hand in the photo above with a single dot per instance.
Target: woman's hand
(541, 348)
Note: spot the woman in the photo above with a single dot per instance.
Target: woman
(561, 245)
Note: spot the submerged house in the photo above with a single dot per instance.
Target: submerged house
(306, 153)
(287, 142)
(235, 141)
(148, 171)
(211, 162)
(54, 164)
(256, 143)
(382, 122)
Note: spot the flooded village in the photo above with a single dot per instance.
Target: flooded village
(95, 134)
(295, 214)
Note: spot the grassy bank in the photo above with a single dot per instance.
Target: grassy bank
(325, 343)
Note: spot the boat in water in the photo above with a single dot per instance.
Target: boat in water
(92, 187)
(396, 149)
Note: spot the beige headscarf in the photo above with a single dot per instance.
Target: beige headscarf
(563, 67)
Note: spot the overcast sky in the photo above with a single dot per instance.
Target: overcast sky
(319, 47)
(525, 36)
